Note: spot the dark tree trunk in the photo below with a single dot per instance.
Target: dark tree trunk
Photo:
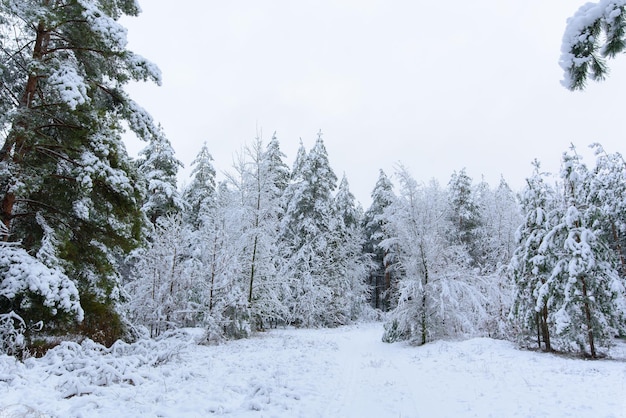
(545, 331)
(587, 310)
(538, 325)
(13, 147)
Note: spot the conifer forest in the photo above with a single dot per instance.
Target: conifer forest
(96, 244)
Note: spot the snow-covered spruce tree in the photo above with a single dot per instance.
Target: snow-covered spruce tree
(66, 180)
(595, 32)
(158, 167)
(589, 297)
(530, 267)
(200, 193)
(438, 291)
(305, 237)
(347, 264)
(464, 215)
(276, 168)
(380, 278)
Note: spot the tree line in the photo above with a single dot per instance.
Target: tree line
(97, 244)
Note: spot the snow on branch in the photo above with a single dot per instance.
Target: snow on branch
(69, 85)
(582, 51)
(23, 273)
(112, 34)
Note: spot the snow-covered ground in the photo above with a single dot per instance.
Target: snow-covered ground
(344, 372)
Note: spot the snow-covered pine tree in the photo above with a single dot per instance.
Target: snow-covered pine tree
(530, 268)
(380, 280)
(606, 191)
(590, 296)
(66, 177)
(595, 32)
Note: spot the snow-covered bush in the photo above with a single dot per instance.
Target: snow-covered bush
(83, 367)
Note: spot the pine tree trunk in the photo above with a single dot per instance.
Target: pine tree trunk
(387, 285)
(544, 328)
(377, 284)
(13, 147)
(213, 272)
(587, 310)
(539, 328)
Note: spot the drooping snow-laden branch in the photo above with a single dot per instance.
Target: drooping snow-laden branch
(595, 32)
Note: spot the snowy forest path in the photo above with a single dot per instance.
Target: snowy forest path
(369, 379)
(342, 372)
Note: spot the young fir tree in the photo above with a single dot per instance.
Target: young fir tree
(277, 170)
(200, 193)
(66, 178)
(464, 215)
(158, 167)
(380, 280)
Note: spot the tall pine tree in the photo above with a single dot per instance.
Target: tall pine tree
(530, 268)
(66, 178)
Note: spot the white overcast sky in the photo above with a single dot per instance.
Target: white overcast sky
(438, 85)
